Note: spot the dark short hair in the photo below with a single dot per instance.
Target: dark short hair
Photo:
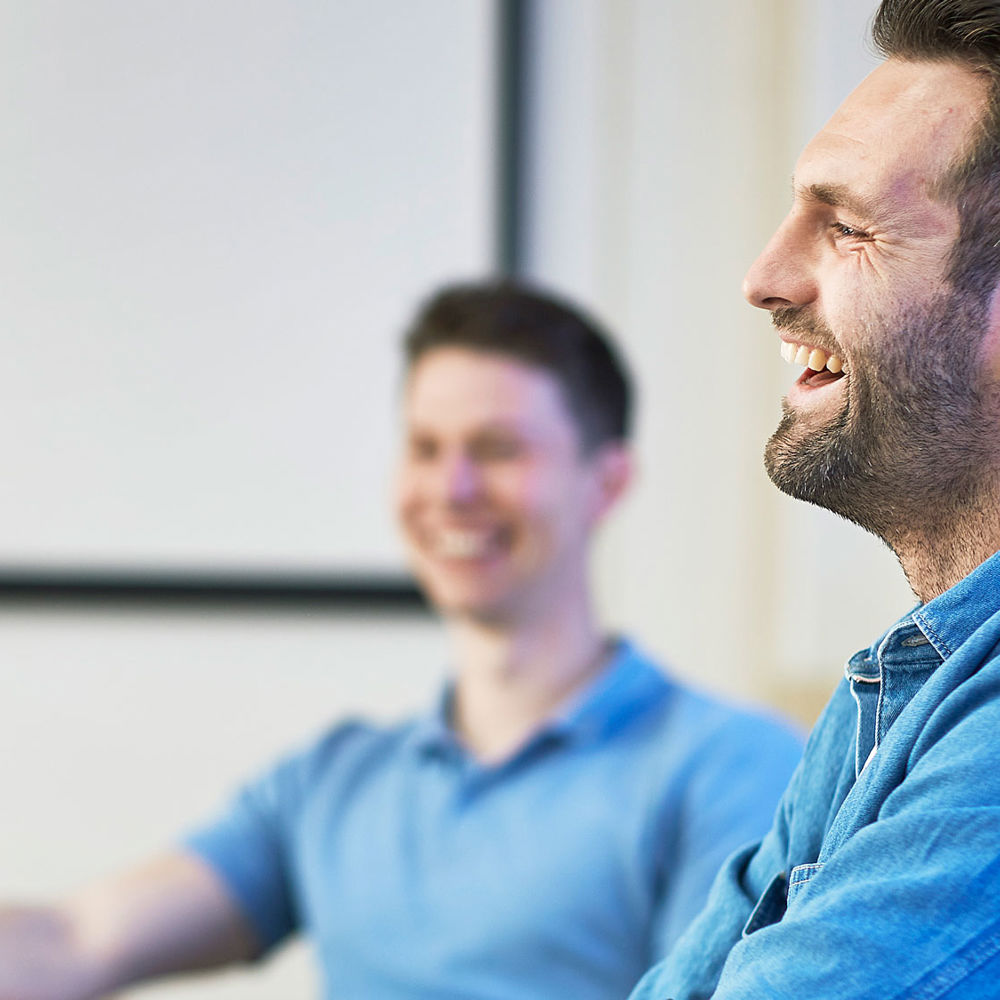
(966, 32)
(538, 329)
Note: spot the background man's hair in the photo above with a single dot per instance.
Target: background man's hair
(966, 32)
(539, 330)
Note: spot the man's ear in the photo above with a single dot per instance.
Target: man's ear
(613, 467)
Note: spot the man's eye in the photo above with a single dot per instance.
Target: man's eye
(842, 230)
(422, 450)
(497, 450)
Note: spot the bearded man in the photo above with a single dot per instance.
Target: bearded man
(880, 877)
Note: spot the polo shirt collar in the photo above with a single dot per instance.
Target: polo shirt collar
(628, 683)
(431, 732)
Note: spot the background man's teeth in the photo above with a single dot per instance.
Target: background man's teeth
(817, 360)
(461, 546)
(835, 364)
(788, 351)
(802, 355)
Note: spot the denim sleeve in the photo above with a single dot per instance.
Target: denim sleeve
(729, 802)
(907, 905)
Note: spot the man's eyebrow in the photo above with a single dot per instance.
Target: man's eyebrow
(838, 196)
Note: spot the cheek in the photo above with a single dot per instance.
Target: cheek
(405, 496)
(859, 320)
(848, 304)
(513, 487)
(558, 506)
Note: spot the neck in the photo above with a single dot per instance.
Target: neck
(512, 676)
(936, 556)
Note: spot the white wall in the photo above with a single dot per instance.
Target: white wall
(217, 218)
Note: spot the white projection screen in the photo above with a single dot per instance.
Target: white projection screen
(216, 218)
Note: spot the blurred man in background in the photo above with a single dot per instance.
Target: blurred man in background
(881, 875)
(553, 822)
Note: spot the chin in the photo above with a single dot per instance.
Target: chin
(478, 614)
(452, 601)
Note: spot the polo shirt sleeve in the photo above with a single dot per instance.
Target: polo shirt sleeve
(251, 843)
(246, 845)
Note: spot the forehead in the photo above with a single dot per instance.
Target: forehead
(452, 386)
(898, 132)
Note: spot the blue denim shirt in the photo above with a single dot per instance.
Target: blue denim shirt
(880, 877)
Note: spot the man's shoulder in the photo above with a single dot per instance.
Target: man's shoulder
(705, 722)
(342, 749)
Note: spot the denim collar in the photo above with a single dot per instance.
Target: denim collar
(929, 633)
(627, 683)
(950, 619)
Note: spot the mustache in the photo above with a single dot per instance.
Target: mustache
(798, 320)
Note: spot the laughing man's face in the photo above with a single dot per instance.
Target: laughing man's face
(495, 497)
(888, 416)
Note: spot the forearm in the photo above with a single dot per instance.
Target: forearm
(43, 957)
(169, 916)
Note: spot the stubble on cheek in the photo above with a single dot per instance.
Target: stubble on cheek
(916, 430)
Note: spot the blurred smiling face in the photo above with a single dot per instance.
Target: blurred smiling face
(494, 497)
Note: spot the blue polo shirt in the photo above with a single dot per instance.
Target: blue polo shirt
(563, 871)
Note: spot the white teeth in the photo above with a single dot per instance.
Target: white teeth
(462, 544)
(817, 360)
(810, 357)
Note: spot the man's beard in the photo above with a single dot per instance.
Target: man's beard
(912, 443)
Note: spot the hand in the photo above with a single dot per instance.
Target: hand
(39, 957)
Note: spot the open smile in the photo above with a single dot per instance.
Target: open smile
(821, 368)
(469, 544)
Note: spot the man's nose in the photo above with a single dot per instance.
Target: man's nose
(462, 479)
(783, 275)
